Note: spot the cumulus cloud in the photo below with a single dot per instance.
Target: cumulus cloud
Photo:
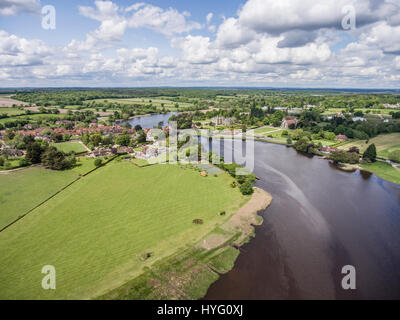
(16, 51)
(267, 42)
(13, 7)
(167, 22)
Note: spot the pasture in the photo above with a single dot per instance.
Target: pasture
(70, 146)
(384, 143)
(96, 232)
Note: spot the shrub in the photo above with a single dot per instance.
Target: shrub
(246, 188)
(98, 162)
(198, 221)
(395, 156)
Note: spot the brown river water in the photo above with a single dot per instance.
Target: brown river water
(320, 220)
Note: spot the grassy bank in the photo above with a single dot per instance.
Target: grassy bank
(189, 273)
(383, 170)
(111, 225)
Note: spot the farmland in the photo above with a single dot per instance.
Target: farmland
(70, 147)
(23, 190)
(384, 143)
(96, 231)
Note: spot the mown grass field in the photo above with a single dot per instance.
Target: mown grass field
(95, 232)
(70, 146)
(383, 170)
(11, 111)
(22, 190)
(384, 143)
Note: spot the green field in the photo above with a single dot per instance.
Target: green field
(168, 104)
(265, 130)
(96, 231)
(11, 111)
(384, 143)
(383, 170)
(22, 190)
(70, 146)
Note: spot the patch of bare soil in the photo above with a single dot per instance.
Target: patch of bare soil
(8, 102)
(243, 221)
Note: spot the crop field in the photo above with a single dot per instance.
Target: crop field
(384, 143)
(70, 146)
(6, 101)
(97, 231)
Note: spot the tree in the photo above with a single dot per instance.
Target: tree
(98, 162)
(370, 154)
(246, 188)
(34, 152)
(124, 140)
(344, 157)
(54, 159)
(138, 127)
(2, 160)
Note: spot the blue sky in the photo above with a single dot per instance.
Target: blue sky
(162, 42)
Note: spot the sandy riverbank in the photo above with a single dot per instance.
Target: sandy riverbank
(242, 222)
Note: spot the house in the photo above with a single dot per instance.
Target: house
(222, 121)
(341, 137)
(11, 152)
(289, 122)
(355, 119)
(325, 149)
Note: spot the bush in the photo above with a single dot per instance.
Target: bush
(198, 221)
(2, 161)
(98, 162)
(395, 156)
(23, 162)
(246, 188)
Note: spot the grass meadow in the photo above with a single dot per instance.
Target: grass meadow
(22, 190)
(96, 231)
(384, 143)
(70, 146)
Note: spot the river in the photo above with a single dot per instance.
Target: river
(151, 121)
(320, 220)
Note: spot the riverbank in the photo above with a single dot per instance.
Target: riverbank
(188, 274)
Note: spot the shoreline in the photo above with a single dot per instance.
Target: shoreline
(188, 274)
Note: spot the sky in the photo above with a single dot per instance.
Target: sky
(228, 43)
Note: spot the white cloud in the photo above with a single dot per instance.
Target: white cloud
(13, 7)
(196, 49)
(16, 51)
(232, 34)
(167, 22)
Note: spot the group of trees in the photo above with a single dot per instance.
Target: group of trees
(48, 156)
